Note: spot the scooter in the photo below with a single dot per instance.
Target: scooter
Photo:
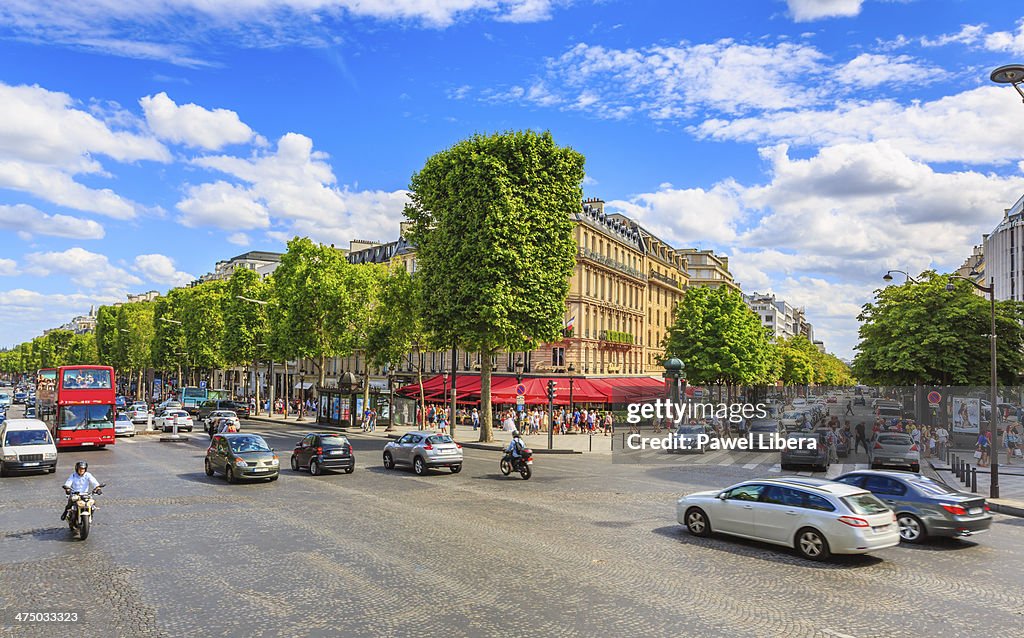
(83, 508)
(522, 464)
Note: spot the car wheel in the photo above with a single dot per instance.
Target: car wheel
(229, 475)
(350, 469)
(389, 463)
(208, 467)
(419, 467)
(911, 528)
(455, 469)
(811, 544)
(697, 522)
(295, 464)
(314, 468)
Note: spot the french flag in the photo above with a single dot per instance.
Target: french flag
(569, 325)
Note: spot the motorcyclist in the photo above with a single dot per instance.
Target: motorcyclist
(515, 447)
(80, 481)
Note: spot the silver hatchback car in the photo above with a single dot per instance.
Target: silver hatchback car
(894, 449)
(422, 451)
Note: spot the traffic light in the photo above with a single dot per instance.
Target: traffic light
(552, 387)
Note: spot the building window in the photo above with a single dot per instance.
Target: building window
(558, 357)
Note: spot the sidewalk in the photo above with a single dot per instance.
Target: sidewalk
(464, 434)
(1011, 481)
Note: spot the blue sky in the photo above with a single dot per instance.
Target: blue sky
(818, 143)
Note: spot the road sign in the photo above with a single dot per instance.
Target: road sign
(520, 400)
(520, 389)
(934, 397)
(519, 407)
(698, 393)
(202, 385)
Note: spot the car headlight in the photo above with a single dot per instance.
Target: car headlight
(10, 457)
(241, 463)
(275, 461)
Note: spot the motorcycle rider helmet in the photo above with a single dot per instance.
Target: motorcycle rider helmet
(82, 464)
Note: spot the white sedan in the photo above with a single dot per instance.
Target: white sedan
(167, 420)
(816, 517)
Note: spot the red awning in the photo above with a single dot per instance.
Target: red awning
(503, 389)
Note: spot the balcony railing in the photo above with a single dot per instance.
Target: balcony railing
(611, 263)
(672, 281)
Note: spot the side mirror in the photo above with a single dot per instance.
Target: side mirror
(721, 496)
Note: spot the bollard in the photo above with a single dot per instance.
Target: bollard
(956, 466)
(591, 442)
(974, 480)
(965, 469)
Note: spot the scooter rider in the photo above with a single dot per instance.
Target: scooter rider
(515, 447)
(81, 481)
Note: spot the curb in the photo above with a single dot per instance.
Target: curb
(994, 505)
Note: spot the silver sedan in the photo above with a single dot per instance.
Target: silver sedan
(422, 451)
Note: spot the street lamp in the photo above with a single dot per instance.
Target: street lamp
(993, 416)
(519, 369)
(519, 381)
(572, 371)
(444, 390)
(888, 276)
(1009, 74)
(302, 389)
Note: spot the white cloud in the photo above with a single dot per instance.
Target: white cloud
(27, 219)
(83, 268)
(222, 205)
(968, 34)
(45, 141)
(810, 10)
(239, 239)
(1007, 41)
(192, 124)
(22, 311)
(686, 216)
(160, 269)
(8, 267)
(295, 185)
(870, 70)
(953, 128)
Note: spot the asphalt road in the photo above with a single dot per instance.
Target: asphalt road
(586, 547)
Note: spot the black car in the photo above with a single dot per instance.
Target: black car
(321, 451)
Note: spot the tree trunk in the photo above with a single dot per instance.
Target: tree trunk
(366, 388)
(138, 387)
(422, 416)
(486, 419)
(322, 377)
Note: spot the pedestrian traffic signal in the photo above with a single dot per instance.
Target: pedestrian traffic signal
(552, 387)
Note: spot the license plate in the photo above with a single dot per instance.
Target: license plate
(338, 452)
(88, 443)
(529, 462)
(260, 469)
(974, 510)
(880, 528)
(30, 464)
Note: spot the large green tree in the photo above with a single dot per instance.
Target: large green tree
(922, 333)
(492, 225)
(720, 340)
(245, 322)
(106, 335)
(135, 332)
(202, 318)
(168, 335)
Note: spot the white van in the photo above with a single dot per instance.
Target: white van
(26, 446)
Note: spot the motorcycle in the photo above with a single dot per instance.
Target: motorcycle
(522, 464)
(83, 508)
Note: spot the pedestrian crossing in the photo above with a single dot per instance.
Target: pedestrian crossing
(761, 462)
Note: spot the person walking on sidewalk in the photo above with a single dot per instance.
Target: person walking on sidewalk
(476, 420)
(849, 408)
(860, 439)
(941, 441)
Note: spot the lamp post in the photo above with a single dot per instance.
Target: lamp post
(519, 380)
(888, 276)
(572, 371)
(302, 389)
(1009, 74)
(993, 412)
(444, 387)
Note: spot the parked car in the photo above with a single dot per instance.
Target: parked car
(123, 425)
(805, 448)
(138, 413)
(686, 439)
(26, 446)
(241, 456)
(924, 507)
(762, 432)
(423, 450)
(167, 420)
(793, 420)
(894, 449)
(321, 451)
(5, 399)
(799, 403)
(816, 517)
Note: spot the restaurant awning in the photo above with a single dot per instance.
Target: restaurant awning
(503, 389)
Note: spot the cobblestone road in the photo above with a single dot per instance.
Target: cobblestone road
(585, 548)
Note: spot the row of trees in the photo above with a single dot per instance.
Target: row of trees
(721, 341)
(55, 348)
(922, 333)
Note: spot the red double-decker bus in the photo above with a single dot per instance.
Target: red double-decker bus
(80, 406)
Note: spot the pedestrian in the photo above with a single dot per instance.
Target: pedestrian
(476, 419)
(981, 450)
(941, 440)
(849, 408)
(860, 439)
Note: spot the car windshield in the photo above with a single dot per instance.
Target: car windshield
(27, 437)
(864, 504)
(792, 415)
(122, 417)
(439, 438)
(690, 429)
(86, 417)
(928, 487)
(241, 444)
(895, 439)
(333, 441)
